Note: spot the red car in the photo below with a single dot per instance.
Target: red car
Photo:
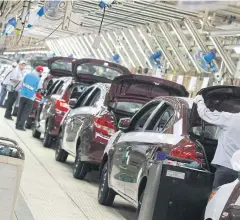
(86, 72)
(59, 67)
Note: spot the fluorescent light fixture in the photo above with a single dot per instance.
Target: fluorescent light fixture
(96, 41)
(90, 46)
(108, 47)
(98, 50)
(133, 51)
(237, 49)
(104, 50)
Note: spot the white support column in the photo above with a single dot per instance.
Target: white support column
(106, 43)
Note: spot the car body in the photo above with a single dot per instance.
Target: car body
(87, 127)
(169, 124)
(225, 199)
(85, 73)
(55, 70)
(224, 202)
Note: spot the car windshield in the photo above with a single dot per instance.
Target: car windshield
(209, 131)
(61, 65)
(129, 107)
(99, 70)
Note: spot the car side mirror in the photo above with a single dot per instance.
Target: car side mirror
(72, 103)
(123, 124)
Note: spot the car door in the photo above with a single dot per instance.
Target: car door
(80, 117)
(123, 147)
(142, 147)
(47, 104)
(70, 124)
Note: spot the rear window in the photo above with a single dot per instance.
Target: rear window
(61, 65)
(209, 131)
(99, 70)
(129, 107)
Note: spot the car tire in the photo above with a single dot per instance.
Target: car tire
(139, 205)
(60, 154)
(106, 195)
(48, 138)
(80, 168)
(29, 123)
(35, 132)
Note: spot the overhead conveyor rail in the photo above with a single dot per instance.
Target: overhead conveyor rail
(136, 31)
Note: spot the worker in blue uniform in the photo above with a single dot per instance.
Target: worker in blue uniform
(27, 95)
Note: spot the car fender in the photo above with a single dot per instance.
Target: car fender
(113, 139)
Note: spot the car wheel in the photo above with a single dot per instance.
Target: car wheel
(35, 132)
(106, 195)
(28, 123)
(48, 138)
(60, 154)
(139, 205)
(80, 168)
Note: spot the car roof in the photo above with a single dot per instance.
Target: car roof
(187, 101)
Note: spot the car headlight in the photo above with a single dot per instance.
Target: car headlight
(213, 193)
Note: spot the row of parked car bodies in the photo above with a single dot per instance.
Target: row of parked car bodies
(142, 115)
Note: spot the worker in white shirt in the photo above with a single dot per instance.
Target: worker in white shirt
(228, 141)
(13, 88)
(4, 83)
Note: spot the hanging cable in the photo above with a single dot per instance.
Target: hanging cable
(100, 28)
(50, 33)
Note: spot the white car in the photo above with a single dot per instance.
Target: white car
(224, 203)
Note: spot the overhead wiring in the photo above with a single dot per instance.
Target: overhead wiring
(50, 33)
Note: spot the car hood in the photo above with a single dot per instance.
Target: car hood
(220, 98)
(141, 89)
(57, 72)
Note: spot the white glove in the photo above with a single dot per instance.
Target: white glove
(198, 98)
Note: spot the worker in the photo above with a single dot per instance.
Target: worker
(5, 82)
(15, 79)
(29, 88)
(228, 141)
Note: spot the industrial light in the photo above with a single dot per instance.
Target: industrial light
(96, 42)
(237, 49)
